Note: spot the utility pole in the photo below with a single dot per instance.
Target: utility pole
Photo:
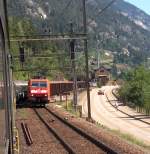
(72, 52)
(86, 60)
(99, 48)
(98, 54)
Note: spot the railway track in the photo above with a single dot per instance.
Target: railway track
(73, 139)
(129, 115)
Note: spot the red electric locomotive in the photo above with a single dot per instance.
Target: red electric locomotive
(38, 91)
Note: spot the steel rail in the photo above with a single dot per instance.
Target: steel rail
(56, 134)
(95, 141)
(27, 133)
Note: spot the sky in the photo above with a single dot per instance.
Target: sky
(142, 4)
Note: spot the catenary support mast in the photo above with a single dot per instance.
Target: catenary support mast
(86, 60)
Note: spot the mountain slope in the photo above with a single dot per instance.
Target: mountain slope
(122, 26)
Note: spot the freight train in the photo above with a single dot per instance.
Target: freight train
(41, 91)
(7, 124)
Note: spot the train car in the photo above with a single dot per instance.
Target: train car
(60, 87)
(20, 88)
(7, 124)
(38, 91)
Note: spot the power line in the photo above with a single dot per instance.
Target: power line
(67, 6)
(104, 9)
(42, 56)
(63, 12)
(107, 6)
(47, 39)
(38, 68)
(48, 35)
(54, 37)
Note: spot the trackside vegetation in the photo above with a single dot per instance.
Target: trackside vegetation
(52, 65)
(136, 89)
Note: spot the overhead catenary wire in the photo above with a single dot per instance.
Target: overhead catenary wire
(49, 36)
(40, 68)
(67, 6)
(42, 55)
(47, 39)
(54, 37)
(101, 11)
(64, 10)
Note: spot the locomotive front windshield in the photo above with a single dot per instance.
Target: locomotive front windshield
(35, 84)
(39, 84)
(43, 84)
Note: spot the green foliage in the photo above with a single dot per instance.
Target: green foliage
(51, 66)
(20, 26)
(136, 89)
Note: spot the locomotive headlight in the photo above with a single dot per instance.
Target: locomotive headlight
(43, 91)
(33, 91)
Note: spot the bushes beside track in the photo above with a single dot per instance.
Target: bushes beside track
(136, 89)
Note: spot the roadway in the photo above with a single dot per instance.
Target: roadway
(104, 113)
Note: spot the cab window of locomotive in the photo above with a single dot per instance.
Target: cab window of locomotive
(43, 84)
(35, 84)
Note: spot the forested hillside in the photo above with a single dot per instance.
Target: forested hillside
(136, 89)
(122, 29)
